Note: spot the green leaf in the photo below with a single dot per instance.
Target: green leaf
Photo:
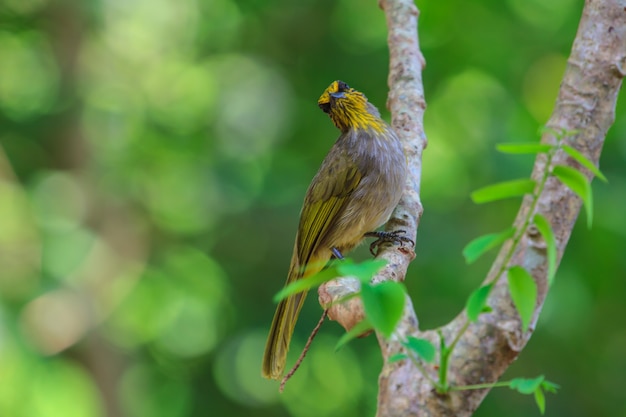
(503, 190)
(582, 160)
(578, 183)
(358, 329)
(523, 148)
(526, 386)
(384, 304)
(540, 399)
(523, 291)
(397, 357)
(306, 284)
(477, 247)
(477, 302)
(548, 236)
(550, 386)
(364, 271)
(422, 348)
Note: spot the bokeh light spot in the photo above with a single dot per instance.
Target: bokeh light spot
(362, 35)
(468, 108)
(58, 201)
(238, 373)
(55, 321)
(254, 109)
(332, 375)
(144, 391)
(180, 307)
(188, 101)
(24, 7)
(549, 15)
(144, 30)
(64, 251)
(541, 85)
(61, 387)
(28, 75)
(20, 249)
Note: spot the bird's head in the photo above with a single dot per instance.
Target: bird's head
(349, 108)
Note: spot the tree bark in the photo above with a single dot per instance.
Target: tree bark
(585, 105)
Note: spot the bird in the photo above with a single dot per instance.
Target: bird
(354, 192)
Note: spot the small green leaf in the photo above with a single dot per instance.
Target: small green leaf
(526, 386)
(582, 160)
(548, 236)
(503, 190)
(364, 271)
(477, 247)
(523, 148)
(477, 302)
(358, 329)
(540, 399)
(397, 357)
(578, 183)
(307, 283)
(550, 386)
(523, 291)
(384, 304)
(422, 348)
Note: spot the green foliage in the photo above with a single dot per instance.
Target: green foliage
(360, 328)
(526, 386)
(577, 182)
(397, 357)
(582, 159)
(477, 302)
(364, 271)
(502, 190)
(522, 286)
(421, 347)
(523, 148)
(523, 290)
(384, 304)
(535, 386)
(482, 244)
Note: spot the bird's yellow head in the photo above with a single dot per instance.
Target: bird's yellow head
(349, 108)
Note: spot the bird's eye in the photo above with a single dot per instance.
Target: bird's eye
(324, 106)
(342, 87)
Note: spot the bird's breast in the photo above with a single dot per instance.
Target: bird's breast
(382, 164)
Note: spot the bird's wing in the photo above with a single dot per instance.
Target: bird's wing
(326, 199)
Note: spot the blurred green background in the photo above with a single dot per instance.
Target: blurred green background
(153, 159)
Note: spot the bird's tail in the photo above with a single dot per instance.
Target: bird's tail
(284, 321)
(280, 334)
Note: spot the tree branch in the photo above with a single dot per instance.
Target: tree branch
(586, 106)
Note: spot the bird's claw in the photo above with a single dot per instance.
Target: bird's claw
(388, 237)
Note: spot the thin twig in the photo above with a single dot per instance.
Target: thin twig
(304, 351)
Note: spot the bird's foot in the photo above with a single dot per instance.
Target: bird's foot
(388, 237)
(337, 253)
